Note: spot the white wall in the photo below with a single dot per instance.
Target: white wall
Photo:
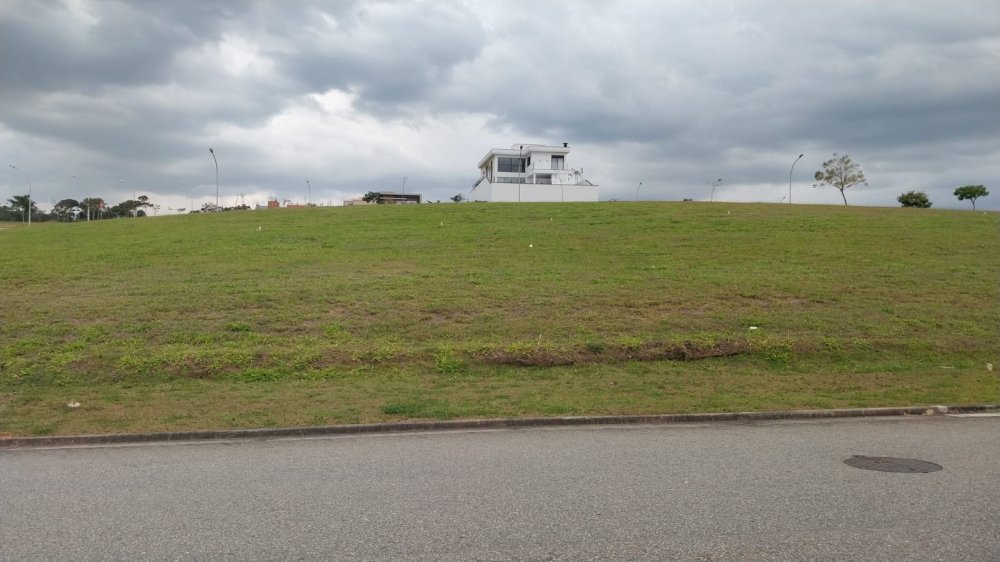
(482, 191)
(508, 193)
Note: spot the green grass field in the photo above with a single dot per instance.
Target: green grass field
(363, 314)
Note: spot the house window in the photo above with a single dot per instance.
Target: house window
(509, 164)
(558, 163)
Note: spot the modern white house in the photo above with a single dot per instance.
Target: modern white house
(530, 172)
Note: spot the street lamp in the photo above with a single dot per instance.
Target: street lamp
(29, 191)
(309, 190)
(77, 181)
(216, 178)
(714, 184)
(637, 191)
(790, 178)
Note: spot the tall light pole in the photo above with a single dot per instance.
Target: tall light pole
(133, 191)
(790, 178)
(714, 184)
(637, 191)
(216, 178)
(309, 191)
(76, 179)
(29, 191)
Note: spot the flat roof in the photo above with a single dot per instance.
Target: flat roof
(516, 150)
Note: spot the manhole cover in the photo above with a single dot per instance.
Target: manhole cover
(890, 464)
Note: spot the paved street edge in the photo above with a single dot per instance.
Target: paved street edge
(503, 423)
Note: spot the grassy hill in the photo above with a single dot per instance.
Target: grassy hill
(358, 314)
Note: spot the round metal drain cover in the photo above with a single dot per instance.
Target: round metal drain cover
(890, 464)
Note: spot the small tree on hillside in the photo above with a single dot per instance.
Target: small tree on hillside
(22, 204)
(94, 206)
(916, 199)
(372, 197)
(66, 209)
(841, 173)
(971, 192)
(457, 198)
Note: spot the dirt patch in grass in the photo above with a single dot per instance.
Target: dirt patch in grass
(598, 353)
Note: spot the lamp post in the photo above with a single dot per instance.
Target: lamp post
(714, 184)
(637, 191)
(216, 178)
(28, 210)
(790, 178)
(77, 178)
(309, 191)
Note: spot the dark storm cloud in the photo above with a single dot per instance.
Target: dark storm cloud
(48, 47)
(389, 54)
(667, 92)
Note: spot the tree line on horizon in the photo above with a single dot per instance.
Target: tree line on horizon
(68, 210)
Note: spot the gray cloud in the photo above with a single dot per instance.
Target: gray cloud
(362, 93)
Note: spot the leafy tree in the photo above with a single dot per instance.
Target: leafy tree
(131, 207)
(94, 206)
(841, 173)
(66, 210)
(372, 197)
(971, 192)
(457, 198)
(914, 199)
(144, 202)
(19, 204)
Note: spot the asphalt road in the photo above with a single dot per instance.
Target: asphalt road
(723, 491)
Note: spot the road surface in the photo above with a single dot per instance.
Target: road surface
(719, 491)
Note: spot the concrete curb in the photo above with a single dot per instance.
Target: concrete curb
(503, 423)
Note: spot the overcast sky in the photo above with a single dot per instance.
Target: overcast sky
(356, 95)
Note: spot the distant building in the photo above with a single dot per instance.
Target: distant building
(387, 198)
(392, 198)
(530, 172)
